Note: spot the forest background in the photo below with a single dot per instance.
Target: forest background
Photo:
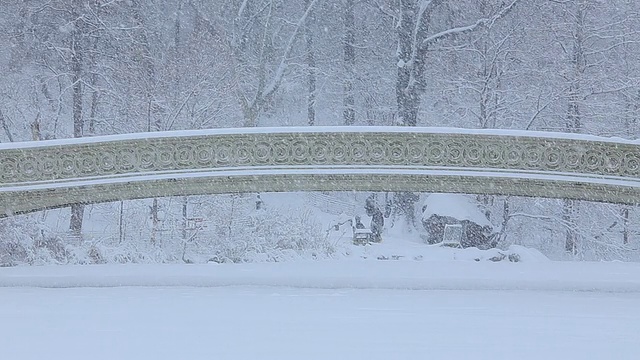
(75, 68)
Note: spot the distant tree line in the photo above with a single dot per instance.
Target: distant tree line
(73, 68)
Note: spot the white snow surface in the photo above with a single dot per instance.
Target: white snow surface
(456, 206)
(376, 272)
(311, 129)
(353, 308)
(288, 323)
(400, 299)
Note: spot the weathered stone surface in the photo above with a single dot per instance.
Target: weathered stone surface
(49, 176)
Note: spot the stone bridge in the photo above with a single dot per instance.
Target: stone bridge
(57, 173)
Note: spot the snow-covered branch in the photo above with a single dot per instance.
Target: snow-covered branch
(273, 85)
(468, 28)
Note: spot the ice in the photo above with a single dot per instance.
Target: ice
(317, 311)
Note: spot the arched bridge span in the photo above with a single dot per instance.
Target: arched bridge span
(51, 174)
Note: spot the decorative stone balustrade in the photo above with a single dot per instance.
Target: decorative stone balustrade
(50, 174)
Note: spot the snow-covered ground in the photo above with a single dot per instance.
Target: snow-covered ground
(400, 299)
(296, 323)
(352, 308)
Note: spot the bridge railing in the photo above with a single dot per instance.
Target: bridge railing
(317, 158)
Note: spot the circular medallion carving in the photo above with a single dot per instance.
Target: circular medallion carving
(300, 151)
(631, 164)
(29, 167)
(553, 157)
(613, 162)
(244, 153)
(224, 153)
(533, 156)
(358, 150)
(592, 160)
(204, 155)
(376, 152)
(262, 152)
(67, 165)
(493, 154)
(572, 158)
(86, 163)
(415, 152)
(147, 158)
(165, 157)
(340, 153)
(397, 152)
(320, 151)
(107, 161)
(513, 155)
(8, 169)
(127, 160)
(49, 166)
(281, 153)
(184, 155)
(455, 153)
(473, 154)
(436, 153)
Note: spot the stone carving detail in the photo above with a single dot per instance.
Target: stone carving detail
(341, 149)
(522, 165)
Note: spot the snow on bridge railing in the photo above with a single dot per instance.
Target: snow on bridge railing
(56, 173)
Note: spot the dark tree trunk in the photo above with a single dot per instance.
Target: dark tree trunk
(155, 220)
(406, 95)
(95, 94)
(185, 212)
(569, 220)
(77, 210)
(405, 44)
(121, 223)
(573, 122)
(349, 111)
(625, 227)
(311, 67)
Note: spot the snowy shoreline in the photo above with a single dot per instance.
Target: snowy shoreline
(356, 274)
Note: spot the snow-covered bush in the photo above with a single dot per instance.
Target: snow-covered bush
(274, 236)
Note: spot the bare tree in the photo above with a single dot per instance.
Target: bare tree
(415, 38)
(259, 70)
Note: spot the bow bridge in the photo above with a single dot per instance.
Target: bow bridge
(57, 173)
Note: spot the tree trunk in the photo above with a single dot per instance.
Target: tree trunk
(406, 96)
(155, 220)
(568, 218)
(506, 215)
(185, 212)
(95, 94)
(121, 224)
(349, 111)
(77, 210)
(311, 67)
(154, 120)
(573, 122)
(625, 225)
(5, 126)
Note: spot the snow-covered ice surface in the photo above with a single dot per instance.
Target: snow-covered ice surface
(431, 302)
(292, 323)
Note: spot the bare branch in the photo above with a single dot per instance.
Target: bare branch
(488, 22)
(277, 77)
(5, 126)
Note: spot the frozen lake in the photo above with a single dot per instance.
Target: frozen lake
(369, 319)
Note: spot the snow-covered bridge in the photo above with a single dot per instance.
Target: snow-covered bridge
(57, 173)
